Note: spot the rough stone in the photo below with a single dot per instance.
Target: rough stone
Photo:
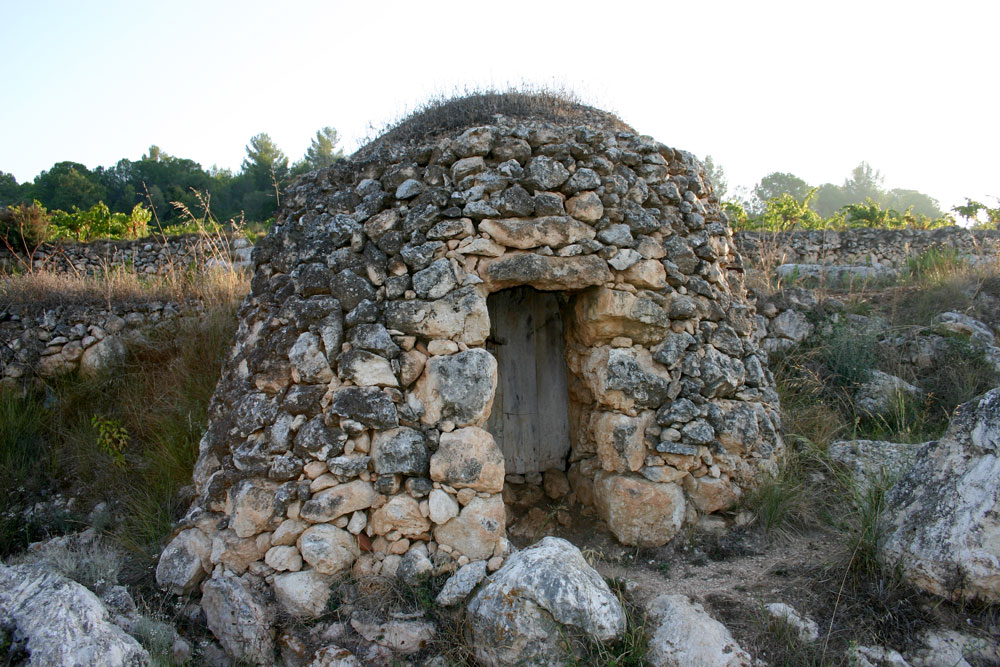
(302, 594)
(400, 450)
(639, 512)
(514, 269)
(342, 499)
(184, 562)
(458, 387)
(521, 614)
(477, 530)
(684, 634)
(940, 519)
(401, 513)
(461, 584)
(328, 549)
(527, 233)
(460, 315)
(240, 618)
(601, 314)
(468, 458)
(61, 622)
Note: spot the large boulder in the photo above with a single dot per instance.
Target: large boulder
(59, 622)
(683, 634)
(521, 614)
(239, 616)
(942, 520)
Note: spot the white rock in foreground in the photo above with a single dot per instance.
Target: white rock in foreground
(518, 616)
(61, 622)
(684, 635)
(942, 520)
(806, 628)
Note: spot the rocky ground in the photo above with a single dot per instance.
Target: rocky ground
(787, 577)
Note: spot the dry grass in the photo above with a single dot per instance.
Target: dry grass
(119, 285)
(443, 114)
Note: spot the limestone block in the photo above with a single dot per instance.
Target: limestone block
(684, 634)
(519, 615)
(401, 513)
(639, 512)
(527, 233)
(477, 530)
(400, 450)
(240, 618)
(600, 314)
(468, 458)
(251, 506)
(941, 518)
(328, 549)
(442, 506)
(366, 369)
(458, 387)
(184, 562)
(460, 315)
(343, 499)
(302, 594)
(514, 269)
(620, 439)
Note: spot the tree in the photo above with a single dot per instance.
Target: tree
(265, 171)
(864, 183)
(323, 151)
(917, 202)
(10, 192)
(68, 184)
(779, 183)
(265, 163)
(717, 175)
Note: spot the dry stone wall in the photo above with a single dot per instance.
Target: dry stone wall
(152, 255)
(61, 340)
(348, 432)
(862, 246)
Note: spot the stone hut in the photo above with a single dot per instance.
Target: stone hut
(469, 297)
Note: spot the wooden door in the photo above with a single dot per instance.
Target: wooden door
(530, 417)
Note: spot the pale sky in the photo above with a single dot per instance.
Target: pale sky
(811, 88)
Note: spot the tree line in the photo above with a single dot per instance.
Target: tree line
(781, 200)
(165, 185)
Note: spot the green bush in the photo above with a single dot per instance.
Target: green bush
(99, 222)
(24, 227)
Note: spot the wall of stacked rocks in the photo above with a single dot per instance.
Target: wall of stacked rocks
(862, 245)
(152, 255)
(57, 341)
(347, 432)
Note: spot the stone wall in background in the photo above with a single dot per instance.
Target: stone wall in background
(861, 246)
(47, 343)
(152, 255)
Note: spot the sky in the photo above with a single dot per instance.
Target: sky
(807, 87)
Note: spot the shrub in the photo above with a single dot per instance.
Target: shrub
(23, 228)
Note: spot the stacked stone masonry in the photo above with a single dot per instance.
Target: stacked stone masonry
(348, 432)
(153, 255)
(862, 246)
(64, 339)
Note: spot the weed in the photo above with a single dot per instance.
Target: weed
(628, 650)
(112, 438)
(933, 266)
(93, 563)
(157, 637)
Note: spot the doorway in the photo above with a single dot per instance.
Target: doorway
(530, 416)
